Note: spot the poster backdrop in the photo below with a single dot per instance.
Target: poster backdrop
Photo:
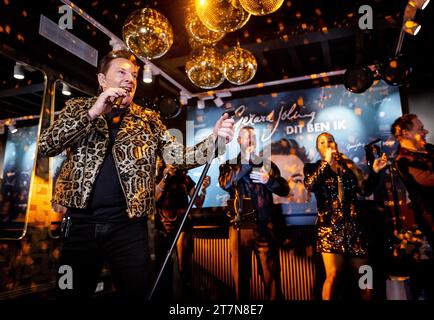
(289, 122)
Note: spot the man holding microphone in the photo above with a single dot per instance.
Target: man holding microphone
(108, 180)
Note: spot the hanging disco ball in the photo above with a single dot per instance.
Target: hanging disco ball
(261, 7)
(239, 66)
(204, 67)
(199, 32)
(147, 33)
(194, 44)
(222, 15)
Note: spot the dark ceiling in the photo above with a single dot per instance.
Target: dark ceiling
(301, 38)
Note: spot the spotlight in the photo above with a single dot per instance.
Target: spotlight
(411, 27)
(18, 71)
(147, 74)
(408, 25)
(183, 99)
(218, 102)
(11, 126)
(66, 90)
(358, 79)
(200, 104)
(409, 13)
(420, 4)
(396, 71)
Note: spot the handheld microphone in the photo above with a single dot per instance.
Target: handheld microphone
(166, 176)
(337, 155)
(374, 142)
(117, 102)
(333, 146)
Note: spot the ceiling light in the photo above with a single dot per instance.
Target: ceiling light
(409, 13)
(411, 27)
(420, 4)
(147, 74)
(11, 126)
(396, 71)
(66, 90)
(218, 102)
(200, 104)
(18, 71)
(183, 99)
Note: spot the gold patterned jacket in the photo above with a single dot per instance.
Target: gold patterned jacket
(134, 151)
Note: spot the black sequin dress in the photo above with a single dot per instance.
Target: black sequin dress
(339, 226)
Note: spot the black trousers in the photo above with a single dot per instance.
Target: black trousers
(260, 240)
(124, 246)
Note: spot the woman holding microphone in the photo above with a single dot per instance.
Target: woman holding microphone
(336, 182)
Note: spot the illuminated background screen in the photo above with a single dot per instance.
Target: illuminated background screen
(19, 158)
(289, 122)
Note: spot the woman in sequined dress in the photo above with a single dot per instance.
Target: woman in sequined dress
(337, 182)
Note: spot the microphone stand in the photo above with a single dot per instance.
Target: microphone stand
(187, 212)
(396, 209)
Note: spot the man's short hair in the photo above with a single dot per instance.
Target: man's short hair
(105, 62)
(405, 122)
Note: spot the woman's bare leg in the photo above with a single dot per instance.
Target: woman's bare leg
(333, 264)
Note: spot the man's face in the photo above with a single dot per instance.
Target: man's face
(121, 73)
(247, 140)
(416, 134)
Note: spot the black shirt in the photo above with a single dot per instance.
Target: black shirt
(107, 201)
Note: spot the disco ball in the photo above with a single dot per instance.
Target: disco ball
(194, 44)
(261, 7)
(204, 67)
(199, 32)
(147, 33)
(239, 66)
(222, 15)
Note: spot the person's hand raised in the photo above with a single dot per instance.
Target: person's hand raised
(224, 128)
(104, 103)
